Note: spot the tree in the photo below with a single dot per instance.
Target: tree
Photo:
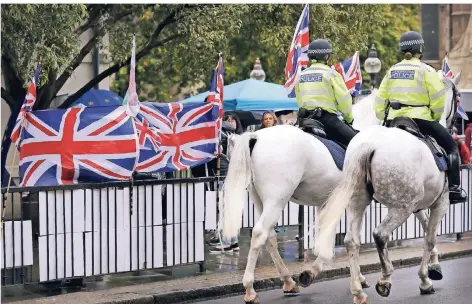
(50, 34)
(398, 19)
(266, 32)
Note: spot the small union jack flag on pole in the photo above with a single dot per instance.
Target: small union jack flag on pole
(446, 70)
(297, 54)
(215, 93)
(350, 69)
(27, 106)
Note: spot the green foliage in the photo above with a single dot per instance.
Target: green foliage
(243, 33)
(36, 31)
(399, 18)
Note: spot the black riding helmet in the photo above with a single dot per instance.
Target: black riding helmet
(319, 48)
(412, 42)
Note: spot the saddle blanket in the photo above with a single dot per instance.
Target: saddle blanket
(337, 152)
(441, 161)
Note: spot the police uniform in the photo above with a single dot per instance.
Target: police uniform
(415, 90)
(322, 87)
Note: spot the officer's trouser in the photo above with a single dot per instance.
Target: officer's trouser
(336, 129)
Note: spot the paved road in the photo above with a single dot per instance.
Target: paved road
(455, 288)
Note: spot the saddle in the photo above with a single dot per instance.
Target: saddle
(409, 125)
(316, 128)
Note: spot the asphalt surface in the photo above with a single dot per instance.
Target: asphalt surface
(454, 288)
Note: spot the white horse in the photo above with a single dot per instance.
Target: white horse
(276, 165)
(399, 171)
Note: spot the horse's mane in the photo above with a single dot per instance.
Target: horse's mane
(363, 111)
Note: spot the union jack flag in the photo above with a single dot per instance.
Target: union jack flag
(215, 93)
(350, 69)
(446, 70)
(27, 106)
(187, 135)
(75, 145)
(297, 54)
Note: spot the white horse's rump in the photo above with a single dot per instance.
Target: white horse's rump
(285, 164)
(399, 171)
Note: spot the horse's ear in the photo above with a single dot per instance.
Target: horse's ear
(457, 78)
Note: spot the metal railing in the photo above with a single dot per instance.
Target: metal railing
(79, 231)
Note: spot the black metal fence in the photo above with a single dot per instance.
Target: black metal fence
(79, 231)
(56, 233)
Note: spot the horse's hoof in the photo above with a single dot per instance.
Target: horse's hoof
(253, 301)
(363, 300)
(383, 288)
(427, 291)
(434, 272)
(365, 284)
(306, 278)
(295, 291)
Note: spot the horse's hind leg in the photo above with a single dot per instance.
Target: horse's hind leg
(395, 217)
(290, 287)
(434, 269)
(352, 241)
(260, 234)
(438, 210)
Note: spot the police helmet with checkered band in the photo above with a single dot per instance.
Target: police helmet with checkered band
(412, 42)
(319, 48)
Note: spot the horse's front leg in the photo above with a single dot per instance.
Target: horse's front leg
(308, 276)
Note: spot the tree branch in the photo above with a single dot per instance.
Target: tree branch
(77, 60)
(99, 33)
(94, 15)
(9, 72)
(8, 98)
(113, 69)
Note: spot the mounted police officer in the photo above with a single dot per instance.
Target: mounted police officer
(321, 93)
(415, 90)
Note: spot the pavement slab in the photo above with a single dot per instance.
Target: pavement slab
(220, 284)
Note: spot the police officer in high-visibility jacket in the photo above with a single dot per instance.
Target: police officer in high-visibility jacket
(415, 90)
(322, 90)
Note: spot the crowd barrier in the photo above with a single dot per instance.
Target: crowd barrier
(86, 230)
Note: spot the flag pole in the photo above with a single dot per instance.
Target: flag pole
(218, 160)
(5, 197)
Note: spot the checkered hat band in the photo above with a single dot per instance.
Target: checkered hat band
(320, 51)
(411, 42)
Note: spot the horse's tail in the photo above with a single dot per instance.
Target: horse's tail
(238, 178)
(356, 176)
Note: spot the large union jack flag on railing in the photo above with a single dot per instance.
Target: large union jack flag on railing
(297, 54)
(77, 145)
(350, 69)
(186, 136)
(27, 106)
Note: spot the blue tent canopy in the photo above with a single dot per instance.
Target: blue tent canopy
(98, 98)
(252, 95)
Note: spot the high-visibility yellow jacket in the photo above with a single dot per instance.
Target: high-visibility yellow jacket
(415, 85)
(323, 87)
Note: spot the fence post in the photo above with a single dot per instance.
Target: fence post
(301, 232)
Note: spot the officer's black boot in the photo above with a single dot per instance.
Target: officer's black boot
(456, 195)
